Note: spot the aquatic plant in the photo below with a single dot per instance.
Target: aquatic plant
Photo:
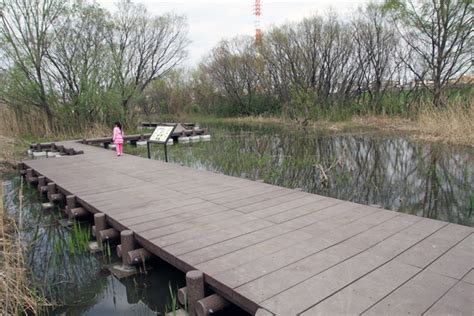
(17, 296)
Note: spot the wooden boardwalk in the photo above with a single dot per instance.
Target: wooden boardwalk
(273, 249)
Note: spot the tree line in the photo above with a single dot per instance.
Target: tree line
(76, 62)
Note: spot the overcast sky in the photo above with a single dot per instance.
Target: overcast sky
(211, 21)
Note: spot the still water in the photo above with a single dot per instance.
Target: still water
(427, 179)
(75, 281)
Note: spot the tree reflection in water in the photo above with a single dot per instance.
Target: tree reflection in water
(427, 179)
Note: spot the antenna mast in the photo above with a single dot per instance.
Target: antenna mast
(258, 30)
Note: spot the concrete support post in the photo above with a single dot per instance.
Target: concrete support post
(30, 176)
(51, 190)
(99, 224)
(138, 256)
(194, 289)
(182, 293)
(22, 168)
(77, 212)
(42, 185)
(70, 203)
(211, 304)
(127, 243)
(109, 234)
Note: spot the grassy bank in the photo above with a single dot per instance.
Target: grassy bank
(451, 125)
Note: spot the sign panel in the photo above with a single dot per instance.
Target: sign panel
(161, 134)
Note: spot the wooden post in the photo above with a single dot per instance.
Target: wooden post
(182, 293)
(42, 186)
(99, 223)
(77, 212)
(30, 176)
(109, 234)
(195, 289)
(211, 304)
(22, 168)
(127, 243)
(70, 203)
(138, 256)
(51, 190)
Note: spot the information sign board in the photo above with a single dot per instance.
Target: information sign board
(161, 134)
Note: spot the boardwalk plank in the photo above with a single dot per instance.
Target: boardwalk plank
(258, 269)
(271, 284)
(432, 247)
(232, 245)
(458, 301)
(457, 261)
(427, 287)
(265, 246)
(360, 295)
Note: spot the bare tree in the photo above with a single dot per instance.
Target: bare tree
(144, 48)
(375, 49)
(26, 27)
(79, 61)
(439, 33)
(236, 69)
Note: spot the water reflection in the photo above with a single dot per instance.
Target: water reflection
(75, 281)
(427, 179)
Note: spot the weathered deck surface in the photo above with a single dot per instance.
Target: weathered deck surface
(265, 246)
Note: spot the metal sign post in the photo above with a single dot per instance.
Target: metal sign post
(161, 135)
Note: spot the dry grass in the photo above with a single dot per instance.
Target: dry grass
(33, 125)
(454, 124)
(13, 126)
(16, 295)
(451, 125)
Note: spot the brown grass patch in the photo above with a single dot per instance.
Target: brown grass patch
(454, 124)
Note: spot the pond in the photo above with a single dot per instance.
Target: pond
(75, 281)
(390, 170)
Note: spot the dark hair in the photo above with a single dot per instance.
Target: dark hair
(118, 125)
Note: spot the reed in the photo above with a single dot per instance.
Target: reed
(453, 123)
(17, 296)
(172, 306)
(32, 127)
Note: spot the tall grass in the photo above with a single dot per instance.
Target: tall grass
(33, 126)
(17, 297)
(453, 123)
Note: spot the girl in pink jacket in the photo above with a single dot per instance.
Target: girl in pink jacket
(117, 138)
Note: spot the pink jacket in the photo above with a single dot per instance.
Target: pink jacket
(118, 137)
